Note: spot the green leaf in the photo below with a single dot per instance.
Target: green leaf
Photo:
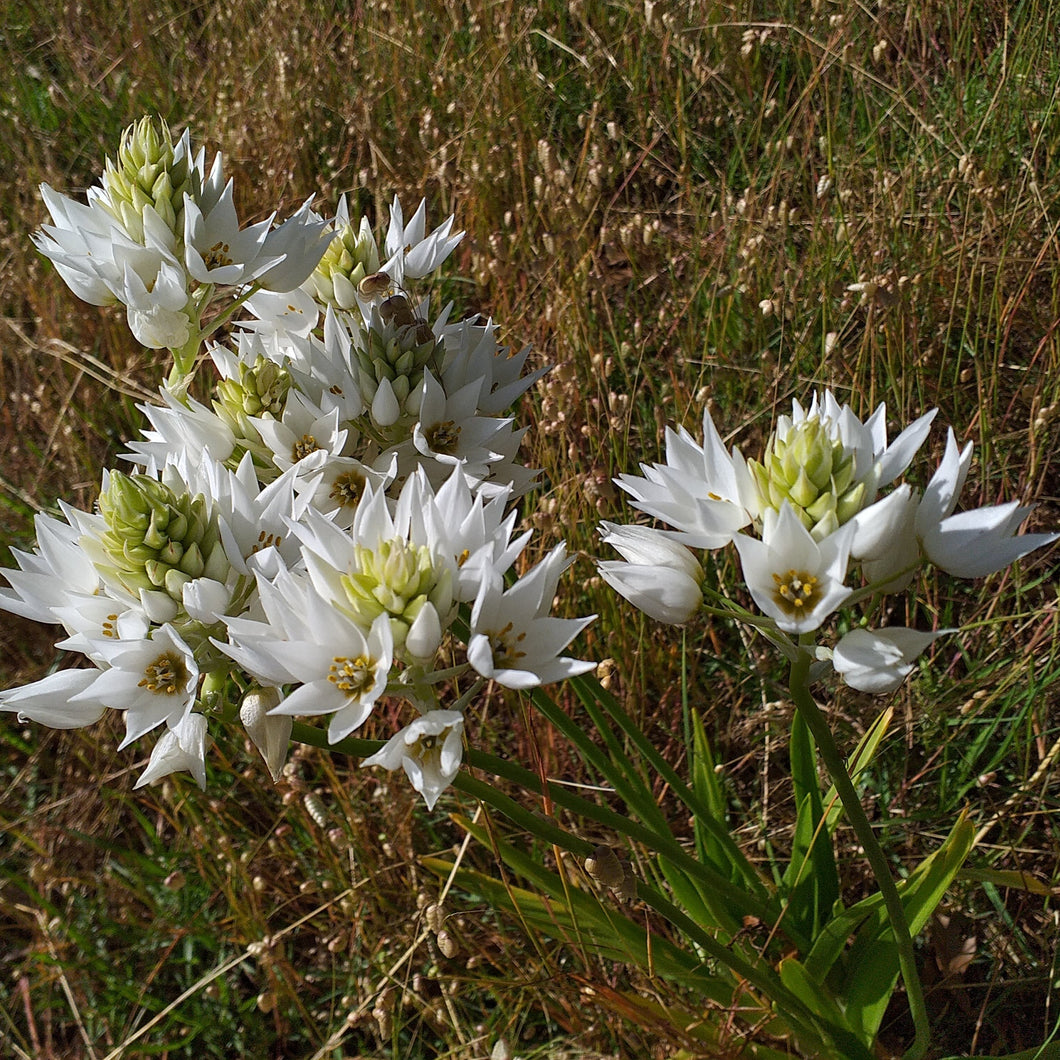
(813, 994)
(709, 909)
(1049, 1051)
(580, 919)
(709, 813)
(871, 966)
(811, 882)
(713, 843)
(590, 923)
(862, 756)
(1011, 878)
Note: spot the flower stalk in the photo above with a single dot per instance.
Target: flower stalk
(818, 725)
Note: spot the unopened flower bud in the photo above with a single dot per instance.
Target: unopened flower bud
(150, 171)
(270, 734)
(807, 465)
(351, 258)
(157, 539)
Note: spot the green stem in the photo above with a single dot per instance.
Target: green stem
(822, 734)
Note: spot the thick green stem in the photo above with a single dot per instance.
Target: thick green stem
(822, 734)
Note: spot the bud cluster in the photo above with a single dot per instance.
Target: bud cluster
(156, 539)
(807, 466)
(150, 171)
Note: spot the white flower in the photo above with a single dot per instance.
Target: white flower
(342, 671)
(413, 254)
(828, 464)
(977, 542)
(181, 747)
(299, 243)
(157, 306)
(449, 431)
(73, 244)
(879, 660)
(56, 570)
(53, 701)
(303, 432)
(286, 312)
(472, 353)
(190, 429)
(390, 562)
(660, 576)
(429, 749)
(253, 519)
(513, 640)
(476, 533)
(885, 541)
(336, 489)
(88, 618)
(703, 491)
(216, 249)
(153, 681)
(794, 579)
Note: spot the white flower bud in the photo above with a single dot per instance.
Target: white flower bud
(270, 734)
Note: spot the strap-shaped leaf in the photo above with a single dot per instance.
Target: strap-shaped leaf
(862, 756)
(871, 965)
(811, 881)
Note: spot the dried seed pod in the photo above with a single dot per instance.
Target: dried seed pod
(381, 1013)
(315, 808)
(375, 285)
(396, 310)
(435, 917)
(626, 889)
(446, 943)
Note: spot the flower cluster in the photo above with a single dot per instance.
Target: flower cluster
(331, 526)
(804, 520)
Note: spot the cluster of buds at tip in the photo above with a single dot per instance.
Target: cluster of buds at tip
(391, 358)
(259, 390)
(351, 257)
(157, 540)
(150, 171)
(807, 466)
(400, 580)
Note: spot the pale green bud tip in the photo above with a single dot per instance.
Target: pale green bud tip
(260, 390)
(147, 173)
(351, 258)
(156, 539)
(808, 466)
(397, 579)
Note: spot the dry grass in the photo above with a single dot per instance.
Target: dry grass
(677, 204)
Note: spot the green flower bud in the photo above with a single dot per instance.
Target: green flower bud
(806, 465)
(351, 257)
(396, 579)
(149, 171)
(399, 347)
(260, 390)
(157, 540)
